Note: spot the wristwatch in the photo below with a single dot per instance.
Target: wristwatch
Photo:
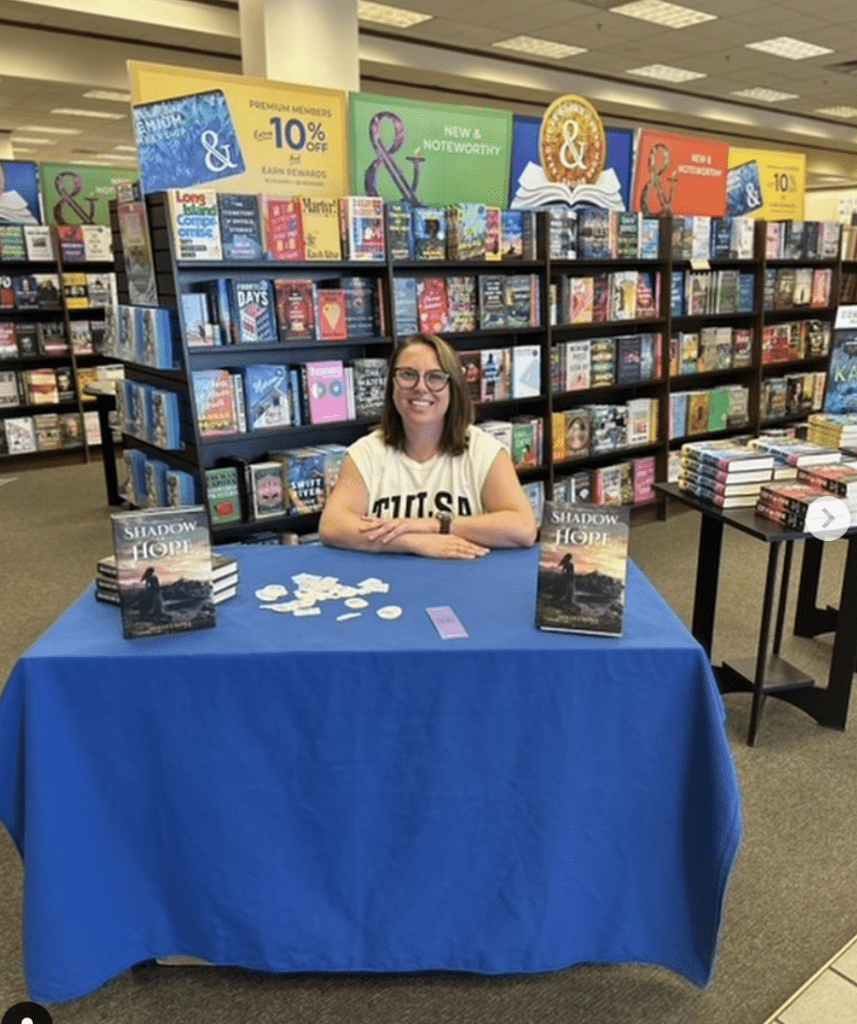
(445, 520)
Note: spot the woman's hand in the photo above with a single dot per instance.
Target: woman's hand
(420, 537)
(385, 530)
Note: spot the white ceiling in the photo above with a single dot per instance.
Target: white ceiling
(53, 51)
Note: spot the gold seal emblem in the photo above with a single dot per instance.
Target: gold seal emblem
(572, 142)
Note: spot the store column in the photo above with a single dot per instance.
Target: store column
(308, 43)
(6, 150)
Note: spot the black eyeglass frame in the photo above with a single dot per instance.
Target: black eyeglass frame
(401, 372)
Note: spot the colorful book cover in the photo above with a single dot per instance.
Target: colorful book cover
(332, 314)
(493, 375)
(370, 382)
(266, 488)
(254, 310)
(400, 231)
(583, 565)
(492, 301)
(321, 229)
(163, 561)
(305, 481)
(461, 304)
(12, 246)
(432, 304)
(223, 494)
(526, 371)
(266, 388)
(405, 305)
(214, 395)
(282, 219)
(72, 245)
(429, 224)
(361, 222)
(326, 391)
(240, 226)
(296, 304)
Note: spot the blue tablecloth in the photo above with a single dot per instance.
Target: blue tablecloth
(304, 794)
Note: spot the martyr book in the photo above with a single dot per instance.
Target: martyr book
(583, 565)
(163, 561)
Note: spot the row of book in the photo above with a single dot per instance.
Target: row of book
(834, 430)
(46, 385)
(31, 243)
(85, 243)
(225, 576)
(466, 302)
(796, 339)
(628, 482)
(603, 427)
(795, 394)
(607, 296)
(44, 338)
(500, 374)
(42, 432)
(522, 436)
(30, 291)
(238, 311)
(787, 503)
(702, 292)
(146, 335)
(603, 362)
(802, 239)
(792, 287)
(149, 482)
(593, 233)
(266, 395)
(703, 410)
(89, 290)
(710, 348)
(703, 238)
(158, 416)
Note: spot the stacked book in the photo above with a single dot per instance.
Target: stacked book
(834, 430)
(786, 502)
(791, 451)
(840, 479)
(224, 579)
(724, 471)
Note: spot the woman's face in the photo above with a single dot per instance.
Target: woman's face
(418, 406)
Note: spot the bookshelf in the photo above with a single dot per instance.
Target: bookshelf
(554, 299)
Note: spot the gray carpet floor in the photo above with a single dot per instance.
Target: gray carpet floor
(792, 901)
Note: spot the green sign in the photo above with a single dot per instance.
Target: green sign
(431, 154)
(79, 193)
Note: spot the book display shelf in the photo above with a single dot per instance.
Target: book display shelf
(44, 358)
(593, 361)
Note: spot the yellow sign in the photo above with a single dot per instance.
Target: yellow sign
(572, 141)
(233, 133)
(766, 185)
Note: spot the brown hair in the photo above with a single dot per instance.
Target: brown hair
(459, 415)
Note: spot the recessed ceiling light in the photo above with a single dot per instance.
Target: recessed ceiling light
(540, 47)
(665, 73)
(383, 14)
(785, 46)
(34, 142)
(51, 131)
(107, 94)
(126, 149)
(766, 95)
(72, 112)
(838, 111)
(662, 13)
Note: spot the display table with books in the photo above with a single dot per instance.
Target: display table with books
(767, 674)
(346, 791)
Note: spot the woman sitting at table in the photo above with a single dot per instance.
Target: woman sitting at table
(427, 482)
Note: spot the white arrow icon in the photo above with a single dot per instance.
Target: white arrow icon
(827, 518)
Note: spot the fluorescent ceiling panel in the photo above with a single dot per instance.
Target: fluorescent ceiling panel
(661, 13)
(785, 46)
(765, 95)
(539, 47)
(383, 14)
(664, 73)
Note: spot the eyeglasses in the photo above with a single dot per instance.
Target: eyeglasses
(407, 377)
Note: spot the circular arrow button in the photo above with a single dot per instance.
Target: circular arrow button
(827, 518)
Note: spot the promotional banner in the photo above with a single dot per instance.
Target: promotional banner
(430, 154)
(80, 194)
(233, 133)
(20, 195)
(766, 185)
(680, 175)
(530, 186)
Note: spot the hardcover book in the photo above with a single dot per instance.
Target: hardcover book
(432, 304)
(304, 475)
(321, 229)
(296, 303)
(38, 243)
(72, 245)
(254, 310)
(267, 393)
(400, 231)
(332, 314)
(265, 486)
(240, 226)
(214, 393)
(361, 226)
(429, 224)
(370, 381)
(841, 376)
(163, 563)
(326, 391)
(461, 304)
(493, 375)
(282, 219)
(224, 494)
(583, 564)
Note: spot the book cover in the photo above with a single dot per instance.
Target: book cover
(304, 475)
(296, 306)
(370, 382)
(163, 562)
(137, 247)
(493, 375)
(578, 365)
(467, 231)
(215, 403)
(583, 564)
(593, 233)
(578, 423)
(282, 219)
(326, 391)
(698, 408)
(841, 374)
(400, 231)
(322, 242)
(12, 246)
(512, 234)
(492, 301)
(195, 313)
(461, 303)
(224, 495)
(526, 371)
(432, 304)
(361, 223)
(361, 304)
(254, 310)
(405, 305)
(266, 489)
(266, 388)
(241, 233)
(38, 243)
(581, 294)
(429, 225)
(332, 314)
(20, 435)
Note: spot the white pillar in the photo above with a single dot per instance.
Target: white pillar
(307, 42)
(6, 150)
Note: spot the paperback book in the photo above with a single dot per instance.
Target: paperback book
(583, 564)
(163, 563)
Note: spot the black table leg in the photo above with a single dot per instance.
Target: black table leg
(762, 651)
(707, 575)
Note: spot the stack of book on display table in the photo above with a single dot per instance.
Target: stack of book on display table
(725, 472)
(224, 579)
(835, 430)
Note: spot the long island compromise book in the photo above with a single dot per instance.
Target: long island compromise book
(583, 566)
(163, 559)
